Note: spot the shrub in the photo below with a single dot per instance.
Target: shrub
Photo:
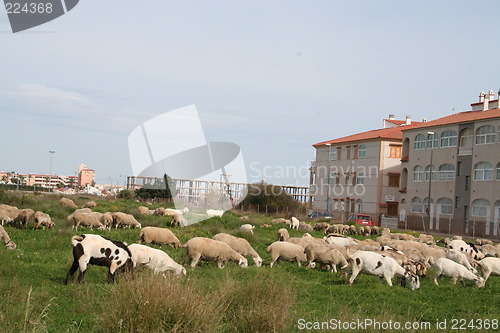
(126, 194)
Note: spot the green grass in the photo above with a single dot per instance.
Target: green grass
(34, 298)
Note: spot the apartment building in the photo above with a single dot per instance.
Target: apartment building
(360, 172)
(450, 172)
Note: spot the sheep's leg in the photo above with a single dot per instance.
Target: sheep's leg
(436, 278)
(486, 275)
(194, 260)
(334, 268)
(454, 280)
(220, 264)
(273, 260)
(71, 271)
(388, 278)
(355, 272)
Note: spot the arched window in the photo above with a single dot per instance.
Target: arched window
(416, 205)
(480, 208)
(432, 140)
(446, 173)
(465, 142)
(362, 151)
(418, 173)
(358, 206)
(449, 139)
(446, 206)
(483, 171)
(485, 134)
(428, 171)
(420, 141)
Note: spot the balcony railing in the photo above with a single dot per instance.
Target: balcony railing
(464, 151)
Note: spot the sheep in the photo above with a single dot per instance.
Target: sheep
(449, 268)
(385, 232)
(107, 220)
(65, 202)
(247, 228)
(375, 230)
(352, 230)
(90, 204)
(145, 210)
(178, 219)
(4, 218)
(304, 241)
(294, 223)
(87, 220)
(159, 236)
(129, 220)
(335, 228)
(286, 251)
(244, 217)
(467, 248)
(305, 226)
(490, 250)
(42, 219)
(215, 212)
(154, 259)
(481, 241)
(24, 216)
(282, 235)
(91, 249)
(460, 258)
(342, 241)
(416, 267)
(9, 244)
(10, 211)
(160, 211)
(489, 265)
(240, 245)
(212, 250)
(367, 230)
(322, 226)
(279, 220)
(427, 239)
(325, 255)
(372, 263)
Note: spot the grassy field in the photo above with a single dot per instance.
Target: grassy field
(34, 297)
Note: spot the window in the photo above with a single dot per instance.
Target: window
(332, 178)
(348, 152)
(446, 173)
(457, 202)
(428, 172)
(332, 154)
(483, 171)
(358, 206)
(355, 152)
(420, 141)
(339, 151)
(498, 171)
(360, 178)
(354, 178)
(449, 139)
(446, 206)
(432, 140)
(337, 179)
(418, 173)
(395, 152)
(459, 168)
(362, 151)
(346, 179)
(394, 180)
(467, 183)
(466, 137)
(485, 134)
(480, 207)
(416, 205)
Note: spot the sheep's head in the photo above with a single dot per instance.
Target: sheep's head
(480, 282)
(412, 280)
(421, 269)
(243, 263)
(257, 261)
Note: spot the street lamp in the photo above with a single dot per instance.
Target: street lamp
(328, 178)
(51, 152)
(428, 210)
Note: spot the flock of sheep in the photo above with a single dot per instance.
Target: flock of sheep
(389, 255)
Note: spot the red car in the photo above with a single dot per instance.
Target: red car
(360, 219)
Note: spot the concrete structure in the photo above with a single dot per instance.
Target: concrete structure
(85, 176)
(455, 159)
(360, 172)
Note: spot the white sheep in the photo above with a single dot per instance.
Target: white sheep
(294, 223)
(42, 219)
(489, 265)
(24, 216)
(240, 245)
(325, 255)
(467, 248)
(372, 263)
(4, 218)
(178, 219)
(305, 240)
(321, 226)
(145, 210)
(247, 228)
(460, 258)
(90, 204)
(286, 251)
(159, 236)
(65, 202)
(278, 220)
(86, 220)
(171, 211)
(212, 250)
(427, 239)
(124, 219)
(107, 220)
(341, 241)
(305, 226)
(154, 259)
(449, 268)
(9, 244)
(215, 212)
(282, 235)
(491, 250)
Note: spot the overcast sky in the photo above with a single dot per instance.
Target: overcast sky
(274, 77)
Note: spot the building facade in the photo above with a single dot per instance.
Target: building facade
(359, 173)
(85, 176)
(450, 172)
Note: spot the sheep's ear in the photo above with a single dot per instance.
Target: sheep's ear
(125, 243)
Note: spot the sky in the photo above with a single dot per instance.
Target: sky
(274, 77)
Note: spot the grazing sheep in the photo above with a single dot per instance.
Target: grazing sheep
(427, 239)
(124, 219)
(79, 211)
(65, 202)
(341, 241)
(145, 210)
(212, 250)
(247, 228)
(160, 211)
(460, 258)
(9, 244)
(86, 220)
(467, 248)
(154, 259)
(24, 216)
(10, 211)
(90, 204)
(286, 251)
(489, 265)
(244, 217)
(385, 232)
(43, 220)
(305, 240)
(171, 211)
(159, 236)
(178, 219)
(325, 255)
(282, 235)
(240, 245)
(215, 212)
(375, 230)
(305, 226)
(107, 220)
(294, 223)
(322, 226)
(279, 220)
(376, 264)
(91, 249)
(352, 230)
(4, 218)
(490, 250)
(449, 268)
(481, 241)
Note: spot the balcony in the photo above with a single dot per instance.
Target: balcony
(464, 151)
(403, 190)
(405, 158)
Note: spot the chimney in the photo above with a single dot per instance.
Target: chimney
(481, 97)
(487, 99)
(408, 120)
(424, 120)
(391, 117)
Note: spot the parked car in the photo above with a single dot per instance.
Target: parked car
(319, 215)
(360, 219)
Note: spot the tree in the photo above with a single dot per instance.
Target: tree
(161, 188)
(272, 196)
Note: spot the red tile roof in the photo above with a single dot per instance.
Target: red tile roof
(462, 117)
(395, 121)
